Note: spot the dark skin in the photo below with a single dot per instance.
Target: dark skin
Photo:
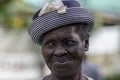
(63, 51)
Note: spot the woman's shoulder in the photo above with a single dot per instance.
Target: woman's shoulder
(88, 78)
(45, 77)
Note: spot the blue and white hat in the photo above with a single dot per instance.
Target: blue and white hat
(45, 20)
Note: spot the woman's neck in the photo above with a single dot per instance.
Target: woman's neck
(74, 77)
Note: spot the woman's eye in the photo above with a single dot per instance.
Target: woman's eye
(50, 44)
(69, 43)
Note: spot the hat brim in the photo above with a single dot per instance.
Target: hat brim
(52, 20)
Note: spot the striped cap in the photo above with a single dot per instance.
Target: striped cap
(74, 14)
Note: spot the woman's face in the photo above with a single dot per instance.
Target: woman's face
(63, 51)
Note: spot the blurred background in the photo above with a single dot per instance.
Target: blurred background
(21, 59)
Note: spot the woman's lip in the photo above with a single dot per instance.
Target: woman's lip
(61, 63)
(62, 60)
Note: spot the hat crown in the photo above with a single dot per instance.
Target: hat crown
(71, 3)
(67, 3)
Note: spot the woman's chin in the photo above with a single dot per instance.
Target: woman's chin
(63, 74)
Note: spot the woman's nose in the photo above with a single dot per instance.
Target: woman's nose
(60, 51)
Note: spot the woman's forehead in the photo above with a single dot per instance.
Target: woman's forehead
(61, 31)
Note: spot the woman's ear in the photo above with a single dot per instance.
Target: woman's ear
(86, 45)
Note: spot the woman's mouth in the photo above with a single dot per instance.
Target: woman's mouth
(61, 66)
(61, 61)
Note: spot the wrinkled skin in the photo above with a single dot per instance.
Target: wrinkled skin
(63, 51)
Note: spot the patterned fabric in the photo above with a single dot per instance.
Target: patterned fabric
(42, 24)
(56, 5)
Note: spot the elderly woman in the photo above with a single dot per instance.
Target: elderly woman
(62, 29)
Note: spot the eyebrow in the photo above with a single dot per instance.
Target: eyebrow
(70, 37)
(48, 39)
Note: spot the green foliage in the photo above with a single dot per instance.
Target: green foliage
(113, 77)
(97, 22)
(12, 17)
